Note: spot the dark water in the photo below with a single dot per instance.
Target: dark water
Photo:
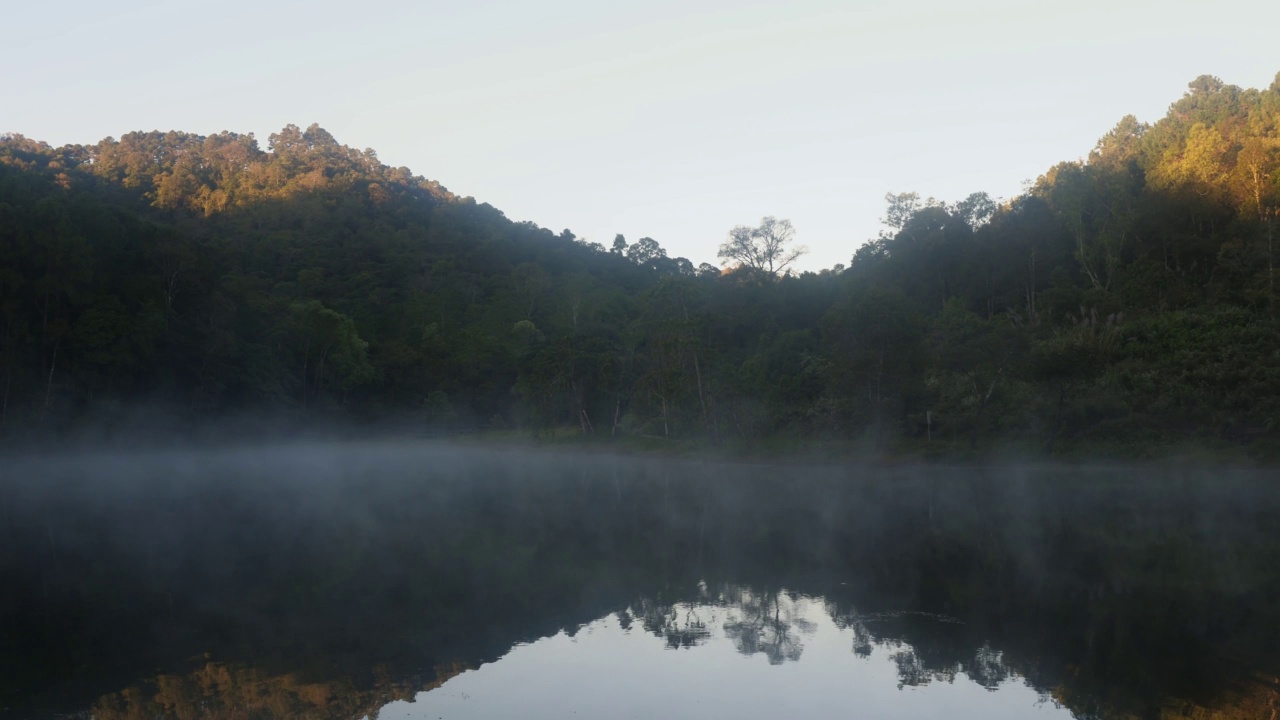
(423, 582)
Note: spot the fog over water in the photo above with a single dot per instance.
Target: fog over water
(413, 579)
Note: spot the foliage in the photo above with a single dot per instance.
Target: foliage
(1129, 296)
(762, 249)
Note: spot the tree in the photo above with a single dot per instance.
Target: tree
(643, 251)
(763, 248)
(976, 210)
(330, 342)
(901, 207)
(877, 345)
(1256, 168)
(1096, 207)
(975, 356)
(1121, 145)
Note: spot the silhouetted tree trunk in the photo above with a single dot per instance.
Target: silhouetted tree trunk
(1057, 420)
(666, 428)
(702, 401)
(306, 357)
(4, 407)
(1271, 268)
(48, 388)
(982, 407)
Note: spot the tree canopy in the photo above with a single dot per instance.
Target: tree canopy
(1124, 300)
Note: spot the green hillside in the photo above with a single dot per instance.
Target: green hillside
(1125, 303)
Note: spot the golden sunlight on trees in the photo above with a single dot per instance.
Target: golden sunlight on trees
(209, 274)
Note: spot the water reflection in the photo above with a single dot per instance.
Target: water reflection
(622, 669)
(334, 581)
(216, 690)
(763, 623)
(681, 624)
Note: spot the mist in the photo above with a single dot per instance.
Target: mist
(326, 560)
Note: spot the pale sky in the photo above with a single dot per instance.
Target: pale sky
(671, 119)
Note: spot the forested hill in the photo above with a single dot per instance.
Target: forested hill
(1124, 302)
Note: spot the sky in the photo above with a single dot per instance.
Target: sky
(675, 120)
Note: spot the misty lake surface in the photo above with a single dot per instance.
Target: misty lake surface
(418, 580)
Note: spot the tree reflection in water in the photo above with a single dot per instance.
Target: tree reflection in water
(680, 624)
(765, 623)
(1118, 594)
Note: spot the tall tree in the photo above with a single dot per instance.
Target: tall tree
(763, 248)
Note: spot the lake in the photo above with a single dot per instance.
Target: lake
(419, 580)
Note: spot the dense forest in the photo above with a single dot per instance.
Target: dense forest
(1125, 302)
